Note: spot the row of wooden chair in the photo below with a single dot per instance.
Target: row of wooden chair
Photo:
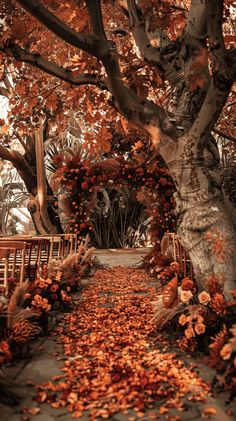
(21, 256)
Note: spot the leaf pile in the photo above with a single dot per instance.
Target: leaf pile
(112, 360)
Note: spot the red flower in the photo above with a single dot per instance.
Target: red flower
(54, 288)
(187, 284)
(84, 185)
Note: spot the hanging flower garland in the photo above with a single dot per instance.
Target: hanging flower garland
(81, 179)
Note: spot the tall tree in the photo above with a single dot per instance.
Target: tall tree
(132, 51)
(30, 166)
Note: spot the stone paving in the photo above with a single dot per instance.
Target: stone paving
(40, 365)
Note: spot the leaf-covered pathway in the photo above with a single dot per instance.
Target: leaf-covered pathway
(115, 366)
(113, 363)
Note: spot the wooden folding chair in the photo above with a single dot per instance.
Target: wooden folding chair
(14, 253)
(32, 255)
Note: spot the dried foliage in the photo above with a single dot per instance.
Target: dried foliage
(26, 314)
(111, 361)
(193, 317)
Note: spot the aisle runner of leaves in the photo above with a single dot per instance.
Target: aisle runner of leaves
(112, 360)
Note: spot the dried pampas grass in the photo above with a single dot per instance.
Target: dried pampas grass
(15, 311)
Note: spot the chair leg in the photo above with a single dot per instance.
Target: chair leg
(22, 269)
(6, 274)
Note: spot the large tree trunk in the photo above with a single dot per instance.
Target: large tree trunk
(36, 214)
(205, 220)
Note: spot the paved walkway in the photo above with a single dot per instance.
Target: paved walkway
(122, 257)
(105, 356)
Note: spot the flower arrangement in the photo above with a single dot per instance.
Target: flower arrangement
(80, 179)
(55, 282)
(202, 321)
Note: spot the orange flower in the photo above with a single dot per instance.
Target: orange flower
(37, 298)
(187, 284)
(226, 351)
(5, 352)
(54, 288)
(4, 347)
(64, 296)
(200, 319)
(218, 303)
(199, 328)
(58, 275)
(189, 332)
(42, 284)
(175, 266)
(182, 319)
(45, 305)
(204, 298)
(185, 296)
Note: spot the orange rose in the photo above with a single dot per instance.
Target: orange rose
(187, 284)
(189, 332)
(199, 328)
(204, 298)
(37, 298)
(185, 296)
(182, 319)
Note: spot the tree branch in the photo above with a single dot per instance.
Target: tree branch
(4, 92)
(145, 114)
(148, 52)
(24, 170)
(20, 140)
(225, 135)
(53, 69)
(95, 13)
(210, 111)
(224, 67)
(162, 57)
(196, 23)
(87, 42)
(6, 80)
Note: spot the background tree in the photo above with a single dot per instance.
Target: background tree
(30, 167)
(129, 51)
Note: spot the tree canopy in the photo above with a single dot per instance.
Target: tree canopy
(165, 67)
(107, 56)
